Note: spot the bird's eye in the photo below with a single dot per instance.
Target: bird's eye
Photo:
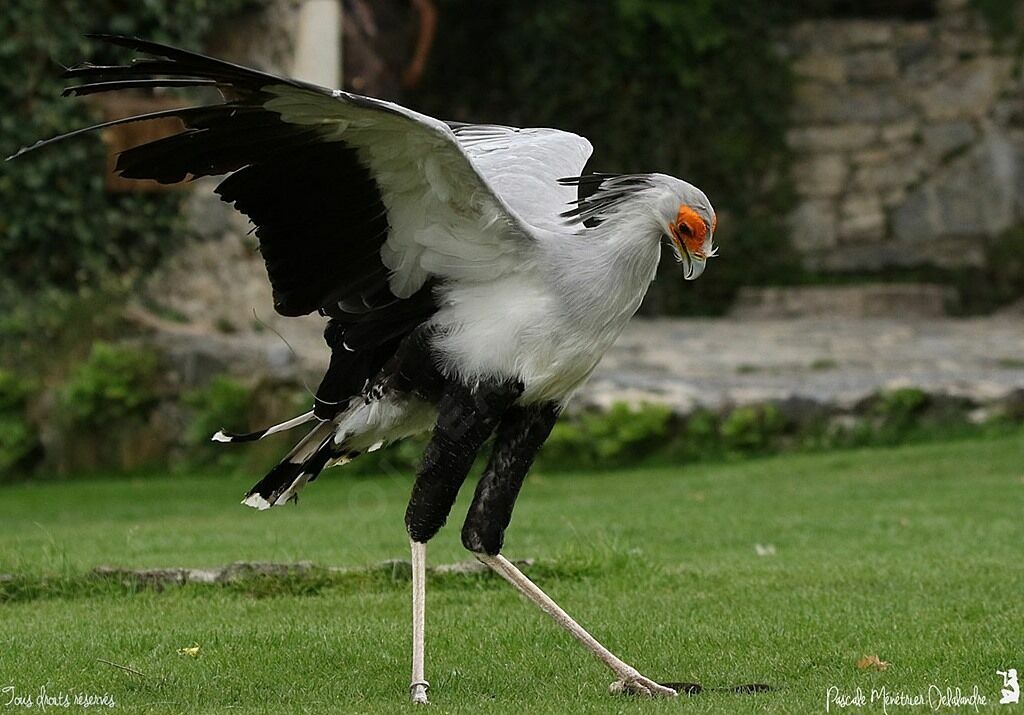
(685, 229)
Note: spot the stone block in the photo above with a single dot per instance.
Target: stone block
(968, 91)
(832, 138)
(872, 65)
(861, 217)
(976, 195)
(917, 218)
(946, 138)
(817, 103)
(893, 197)
(856, 204)
(821, 67)
(908, 300)
(812, 225)
(821, 175)
(908, 33)
(865, 33)
(902, 131)
(872, 157)
(863, 227)
(890, 175)
(923, 64)
(966, 41)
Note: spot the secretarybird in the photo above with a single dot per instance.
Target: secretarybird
(472, 278)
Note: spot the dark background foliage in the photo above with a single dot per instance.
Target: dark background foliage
(59, 226)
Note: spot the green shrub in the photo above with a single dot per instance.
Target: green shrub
(899, 410)
(41, 335)
(60, 225)
(225, 403)
(700, 438)
(752, 428)
(620, 435)
(15, 391)
(228, 403)
(702, 426)
(115, 382)
(19, 441)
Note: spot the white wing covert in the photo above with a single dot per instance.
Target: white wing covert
(523, 167)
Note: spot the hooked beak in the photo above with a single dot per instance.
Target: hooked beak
(693, 265)
(693, 261)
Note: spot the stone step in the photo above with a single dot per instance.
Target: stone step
(872, 300)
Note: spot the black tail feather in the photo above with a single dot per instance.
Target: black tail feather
(277, 480)
(283, 482)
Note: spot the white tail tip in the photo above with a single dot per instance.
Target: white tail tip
(256, 502)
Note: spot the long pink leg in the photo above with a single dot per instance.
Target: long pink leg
(418, 686)
(629, 678)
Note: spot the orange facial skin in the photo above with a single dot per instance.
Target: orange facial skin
(689, 230)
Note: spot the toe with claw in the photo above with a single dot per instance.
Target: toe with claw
(639, 685)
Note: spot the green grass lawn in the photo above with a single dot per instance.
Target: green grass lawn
(912, 554)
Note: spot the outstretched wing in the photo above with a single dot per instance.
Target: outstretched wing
(361, 206)
(349, 194)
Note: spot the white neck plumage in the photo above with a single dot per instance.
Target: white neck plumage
(604, 272)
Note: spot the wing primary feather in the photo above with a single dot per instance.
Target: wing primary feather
(182, 114)
(82, 90)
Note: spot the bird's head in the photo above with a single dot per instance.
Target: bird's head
(689, 223)
(662, 207)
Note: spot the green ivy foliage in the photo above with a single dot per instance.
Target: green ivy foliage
(19, 442)
(116, 382)
(694, 89)
(621, 435)
(58, 225)
(225, 403)
(751, 428)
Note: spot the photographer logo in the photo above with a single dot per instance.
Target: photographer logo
(1010, 694)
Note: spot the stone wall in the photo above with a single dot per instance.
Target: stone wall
(908, 139)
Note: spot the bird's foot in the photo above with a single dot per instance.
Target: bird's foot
(636, 684)
(418, 691)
